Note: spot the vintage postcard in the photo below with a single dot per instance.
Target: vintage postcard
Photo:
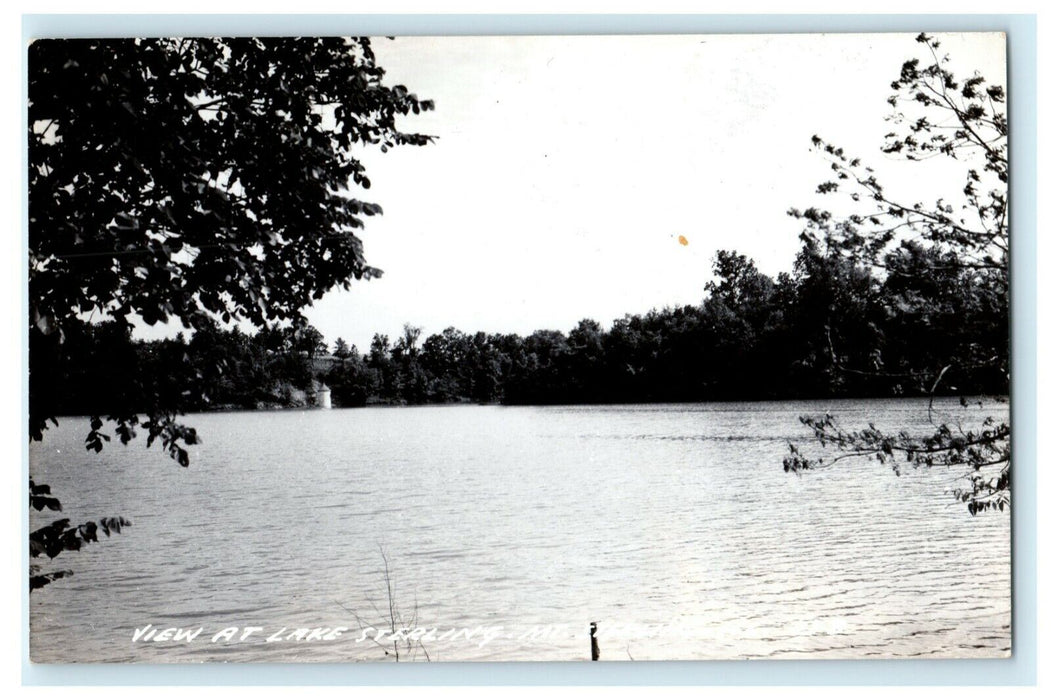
(530, 348)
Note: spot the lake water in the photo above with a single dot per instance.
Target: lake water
(509, 530)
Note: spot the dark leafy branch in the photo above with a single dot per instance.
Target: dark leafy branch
(985, 451)
(943, 266)
(185, 179)
(51, 540)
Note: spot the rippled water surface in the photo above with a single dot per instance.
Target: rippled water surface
(509, 530)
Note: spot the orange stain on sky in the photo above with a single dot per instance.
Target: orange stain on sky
(683, 241)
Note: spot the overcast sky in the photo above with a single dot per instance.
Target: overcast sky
(567, 168)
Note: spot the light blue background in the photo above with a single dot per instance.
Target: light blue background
(1018, 670)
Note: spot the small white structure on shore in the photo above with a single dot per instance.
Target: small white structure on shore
(322, 396)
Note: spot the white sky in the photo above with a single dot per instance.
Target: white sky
(567, 167)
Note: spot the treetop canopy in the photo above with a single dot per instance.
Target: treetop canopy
(187, 178)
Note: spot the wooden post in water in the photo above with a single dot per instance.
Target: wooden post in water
(594, 641)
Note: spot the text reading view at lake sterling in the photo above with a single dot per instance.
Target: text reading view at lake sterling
(544, 348)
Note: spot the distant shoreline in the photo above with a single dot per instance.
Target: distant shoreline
(983, 402)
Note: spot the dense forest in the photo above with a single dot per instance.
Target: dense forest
(830, 328)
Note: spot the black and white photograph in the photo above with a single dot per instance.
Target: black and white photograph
(408, 349)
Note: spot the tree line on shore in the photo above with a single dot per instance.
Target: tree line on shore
(830, 328)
